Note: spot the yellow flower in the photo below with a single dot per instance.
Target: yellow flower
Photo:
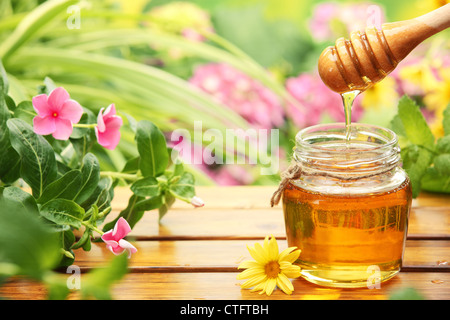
(270, 269)
(381, 95)
(177, 17)
(419, 74)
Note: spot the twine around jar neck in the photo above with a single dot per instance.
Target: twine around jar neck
(294, 171)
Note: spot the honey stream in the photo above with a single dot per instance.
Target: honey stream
(348, 98)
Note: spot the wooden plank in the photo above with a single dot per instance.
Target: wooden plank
(424, 223)
(220, 255)
(224, 286)
(255, 197)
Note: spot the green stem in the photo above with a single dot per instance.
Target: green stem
(81, 125)
(90, 226)
(119, 175)
(179, 197)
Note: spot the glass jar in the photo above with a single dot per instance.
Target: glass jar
(348, 211)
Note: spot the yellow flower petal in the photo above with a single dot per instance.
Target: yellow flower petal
(292, 271)
(273, 249)
(248, 264)
(293, 256)
(254, 281)
(257, 255)
(262, 253)
(259, 287)
(286, 252)
(285, 284)
(270, 286)
(251, 272)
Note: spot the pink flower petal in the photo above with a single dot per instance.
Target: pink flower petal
(108, 139)
(113, 122)
(108, 236)
(100, 122)
(44, 126)
(127, 246)
(40, 104)
(115, 249)
(110, 111)
(121, 229)
(63, 129)
(71, 110)
(57, 98)
(197, 202)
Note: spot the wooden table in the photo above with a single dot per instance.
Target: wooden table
(194, 252)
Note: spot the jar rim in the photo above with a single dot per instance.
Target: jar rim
(324, 147)
(385, 135)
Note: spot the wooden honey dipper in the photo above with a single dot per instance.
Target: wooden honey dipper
(367, 58)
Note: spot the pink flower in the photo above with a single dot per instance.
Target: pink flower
(247, 97)
(108, 125)
(114, 238)
(318, 100)
(56, 114)
(331, 20)
(197, 202)
(320, 23)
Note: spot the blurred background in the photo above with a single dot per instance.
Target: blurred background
(228, 63)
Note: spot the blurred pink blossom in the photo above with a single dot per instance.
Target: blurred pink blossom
(320, 22)
(318, 100)
(331, 20)
(114, 238)
(56, 114)
(254, 102)
(108, 128)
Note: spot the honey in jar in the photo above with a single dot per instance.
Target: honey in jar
(348, 211)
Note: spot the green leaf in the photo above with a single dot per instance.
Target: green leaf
(416, 160)
(149, 203)
(146, 187)
(443, 144)
(20, 198)
(65, 187)
(132, 165)
(415, 126)
(130, 213)
(84, 240)
(63, 212)
(433, 181)
(67, 239)
(25, 111)
(397, 126)
(442, 164)
(185, 187)
(446, 120)
(152, 148)
(90, 176)
(102, 196)
(406, 294)
(48, 86)
(178, 168)
(169, 200)
(25, 241)
(98, 282)
(32, 23)
(4, 83)
(10, 161)
(38, 163)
